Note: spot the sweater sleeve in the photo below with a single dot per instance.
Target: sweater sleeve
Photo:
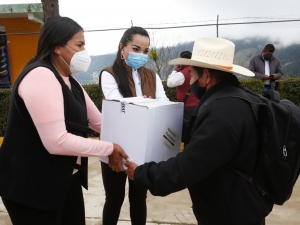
(42, 95)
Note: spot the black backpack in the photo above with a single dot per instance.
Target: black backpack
(278, 163)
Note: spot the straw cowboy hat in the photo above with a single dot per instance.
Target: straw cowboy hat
(213, 53)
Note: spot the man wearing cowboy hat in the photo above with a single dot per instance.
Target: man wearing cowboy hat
(223, 135)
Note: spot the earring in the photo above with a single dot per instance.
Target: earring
(122, 55)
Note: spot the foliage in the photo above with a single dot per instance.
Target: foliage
(93, 90)
(252, 84)
(4, 105)
(153, 54)
(170, 92)
(289, 88)
(159, 57)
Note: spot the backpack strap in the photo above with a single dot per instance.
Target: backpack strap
(234, 92)
(187, 95)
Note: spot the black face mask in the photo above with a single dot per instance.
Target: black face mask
(267, 57)
(197, 90)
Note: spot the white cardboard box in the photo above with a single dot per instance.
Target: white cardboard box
(147, 129)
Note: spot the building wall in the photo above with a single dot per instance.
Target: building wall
(22, 43)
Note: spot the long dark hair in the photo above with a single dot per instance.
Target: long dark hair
(56, 31)
(118, 66)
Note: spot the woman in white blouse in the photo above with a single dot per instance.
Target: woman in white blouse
(128, 77)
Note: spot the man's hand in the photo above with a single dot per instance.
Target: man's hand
(266, 77)
(130, 168)
(273, 77)
(115, 159)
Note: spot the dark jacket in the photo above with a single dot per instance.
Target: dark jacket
(257, 66)
(224, 133)
(29, 174)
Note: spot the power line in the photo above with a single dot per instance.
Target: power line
(223, 19)
(198, 25)
(178, 26)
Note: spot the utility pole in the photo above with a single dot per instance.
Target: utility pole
(217, 26)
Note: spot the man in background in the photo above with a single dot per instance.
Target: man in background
(266, 67)
(180, 78)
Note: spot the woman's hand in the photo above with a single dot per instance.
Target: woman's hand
(115, 159)
(130, 168)
(145, 96)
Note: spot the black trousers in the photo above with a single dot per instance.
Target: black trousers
(72, 213)
(114, 186)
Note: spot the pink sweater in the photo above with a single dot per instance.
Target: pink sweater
(42, 94)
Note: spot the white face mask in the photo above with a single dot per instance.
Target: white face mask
(80, 61)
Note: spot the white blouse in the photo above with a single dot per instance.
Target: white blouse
(111, 90)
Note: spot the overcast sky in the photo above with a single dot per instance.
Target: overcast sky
(100, 14)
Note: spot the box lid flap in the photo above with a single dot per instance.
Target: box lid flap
(141, 101)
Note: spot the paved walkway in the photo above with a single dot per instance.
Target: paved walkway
(170, 210)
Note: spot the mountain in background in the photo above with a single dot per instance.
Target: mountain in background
(245, 49)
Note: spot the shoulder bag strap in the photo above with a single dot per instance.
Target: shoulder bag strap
(187, 95)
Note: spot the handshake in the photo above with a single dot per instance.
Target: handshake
(116, 161)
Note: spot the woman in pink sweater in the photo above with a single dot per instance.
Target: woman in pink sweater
(43, 159)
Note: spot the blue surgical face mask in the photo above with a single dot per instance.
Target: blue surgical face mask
(136, 60)
(267, 57)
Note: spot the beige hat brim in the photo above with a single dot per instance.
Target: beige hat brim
(235, 68)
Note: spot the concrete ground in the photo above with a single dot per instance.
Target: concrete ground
(170, 210)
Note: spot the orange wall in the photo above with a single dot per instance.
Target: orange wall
(21, 47)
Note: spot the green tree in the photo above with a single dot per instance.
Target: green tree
(160, 55)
